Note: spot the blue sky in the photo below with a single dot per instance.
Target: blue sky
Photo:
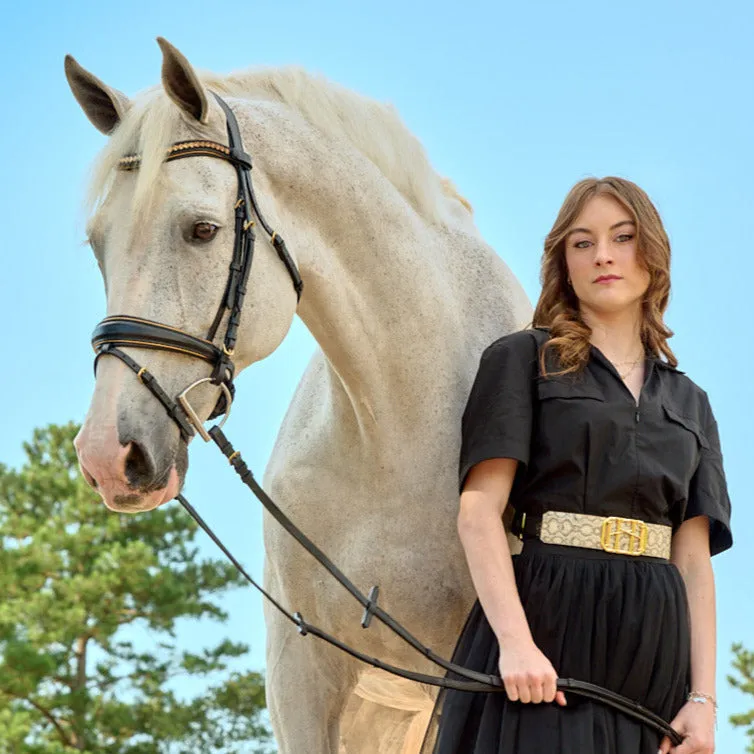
(514, 101)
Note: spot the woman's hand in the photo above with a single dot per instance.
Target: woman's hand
(528, 676)
(696, 723)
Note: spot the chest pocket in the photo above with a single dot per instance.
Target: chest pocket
(690, 425)
(678, 447)
(549, 388)
(567, 413)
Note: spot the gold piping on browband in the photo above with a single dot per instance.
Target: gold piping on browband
(182, 149)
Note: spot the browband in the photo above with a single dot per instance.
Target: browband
(179, 150)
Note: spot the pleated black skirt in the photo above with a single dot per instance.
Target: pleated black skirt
(613, 620)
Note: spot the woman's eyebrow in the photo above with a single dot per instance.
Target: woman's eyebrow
(612, 227)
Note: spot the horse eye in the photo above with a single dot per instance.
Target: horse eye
(204, 231)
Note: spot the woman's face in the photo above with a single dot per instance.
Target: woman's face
(602, 259)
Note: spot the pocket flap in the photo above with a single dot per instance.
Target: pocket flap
(552, 387)
(690, 424)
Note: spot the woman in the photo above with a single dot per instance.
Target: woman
(609, 457)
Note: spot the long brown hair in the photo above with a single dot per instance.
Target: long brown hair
(558, 306)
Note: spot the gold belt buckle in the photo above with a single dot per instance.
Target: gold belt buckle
(616, 531)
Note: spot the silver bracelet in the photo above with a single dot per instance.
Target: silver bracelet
(702, 698)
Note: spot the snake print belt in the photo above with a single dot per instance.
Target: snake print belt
(625, 536)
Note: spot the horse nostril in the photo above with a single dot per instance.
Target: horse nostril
(139, 468)
(90, 480)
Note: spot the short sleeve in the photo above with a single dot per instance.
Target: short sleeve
(497, 421)
(708, 491)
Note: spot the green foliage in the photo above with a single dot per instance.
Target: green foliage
(743, 664)
(73, 577)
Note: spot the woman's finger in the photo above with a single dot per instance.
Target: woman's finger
(687, 746)
(550, 689)
(537, 691)
(666, 745)
(524, 692)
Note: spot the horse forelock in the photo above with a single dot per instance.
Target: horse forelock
(374, 128)
(148, 129)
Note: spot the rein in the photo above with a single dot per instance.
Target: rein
(117, 332)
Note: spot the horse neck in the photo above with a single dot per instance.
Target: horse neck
(384, 289)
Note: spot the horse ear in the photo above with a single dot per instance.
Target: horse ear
(181, 82)
(105, 107)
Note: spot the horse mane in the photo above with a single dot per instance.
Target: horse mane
(373, 128)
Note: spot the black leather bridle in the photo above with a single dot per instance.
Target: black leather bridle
(116, 332)
(122, 330)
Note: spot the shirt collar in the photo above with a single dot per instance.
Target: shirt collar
(664, 364)
(654, 359)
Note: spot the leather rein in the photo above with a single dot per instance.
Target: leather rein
(117, 332)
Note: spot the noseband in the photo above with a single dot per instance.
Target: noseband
(117, 332)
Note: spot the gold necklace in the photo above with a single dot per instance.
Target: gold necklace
(627, 361)
(634, 364)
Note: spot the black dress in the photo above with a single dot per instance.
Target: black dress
(621, 622)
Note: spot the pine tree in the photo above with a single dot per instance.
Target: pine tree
(743, 664)
(74, 577)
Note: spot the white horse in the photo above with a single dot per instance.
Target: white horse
(401, 294)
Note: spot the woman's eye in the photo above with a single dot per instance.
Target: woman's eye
(623, 237)
(204, 231)
(581, 244)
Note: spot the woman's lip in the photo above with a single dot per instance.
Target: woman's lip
(606, 279)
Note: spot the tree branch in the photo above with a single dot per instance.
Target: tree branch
(47, 714)
(79, 710)
(131, 614)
